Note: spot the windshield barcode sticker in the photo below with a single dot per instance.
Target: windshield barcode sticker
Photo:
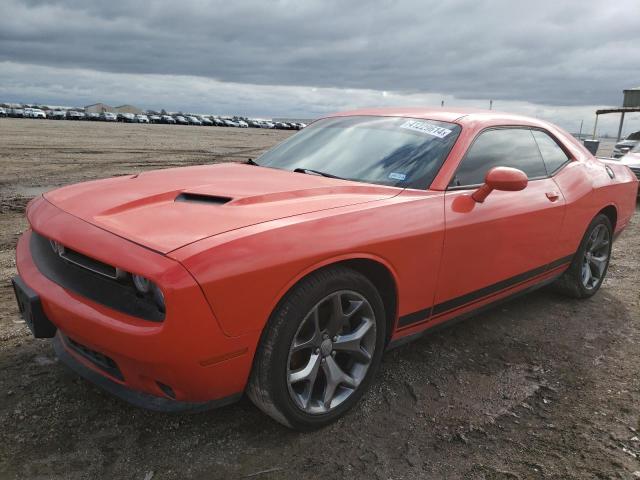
(424, 127)
(397, 176)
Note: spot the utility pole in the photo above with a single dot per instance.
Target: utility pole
(580, 134)
(490, 104)
(620, 126)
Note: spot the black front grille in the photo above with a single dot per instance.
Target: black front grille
(89, 263)
(636, 170)
(98, 359)
(118, 295)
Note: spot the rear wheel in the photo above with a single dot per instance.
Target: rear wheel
(320, 350)
(590, 263)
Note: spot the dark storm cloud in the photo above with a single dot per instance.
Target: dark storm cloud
(545, 52)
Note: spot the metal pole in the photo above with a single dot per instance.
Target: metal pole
(595, 126)
(490, 104)
(620, 126)
(580, 134)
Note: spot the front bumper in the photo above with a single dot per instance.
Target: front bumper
(137, 398)
(188, 352)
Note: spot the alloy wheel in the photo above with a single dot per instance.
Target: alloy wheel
(331, 352)
(596, 257)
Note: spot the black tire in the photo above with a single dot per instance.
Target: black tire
(571, 282)
(268, 386)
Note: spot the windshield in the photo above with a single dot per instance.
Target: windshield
(400, 152)
(634, 136)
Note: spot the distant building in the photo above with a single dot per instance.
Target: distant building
(128, 109)
(631, 97)
(98, 108)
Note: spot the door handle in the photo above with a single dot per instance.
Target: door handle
(553, 196)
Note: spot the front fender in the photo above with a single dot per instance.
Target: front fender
(245, 273)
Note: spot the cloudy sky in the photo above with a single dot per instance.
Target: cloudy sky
(559, 60)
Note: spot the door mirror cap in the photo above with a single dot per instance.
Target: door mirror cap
(501, 178)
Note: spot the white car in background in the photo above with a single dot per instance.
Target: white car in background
(108, 117)
(142, 119)
(3, 112)
(34, 113)
(243, 124)
(632, 160)
(623, 147)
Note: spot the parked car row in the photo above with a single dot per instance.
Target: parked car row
(177, 119)
(213, 121)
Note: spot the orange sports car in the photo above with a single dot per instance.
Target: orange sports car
(288, 277)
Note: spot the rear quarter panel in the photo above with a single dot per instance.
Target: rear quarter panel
(623, 192)
(588, 189)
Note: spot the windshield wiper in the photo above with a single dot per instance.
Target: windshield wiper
(316, 172)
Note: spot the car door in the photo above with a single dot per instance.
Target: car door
(508, 239)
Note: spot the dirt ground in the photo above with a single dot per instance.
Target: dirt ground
(542, 387)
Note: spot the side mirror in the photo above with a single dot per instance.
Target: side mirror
(501, 178)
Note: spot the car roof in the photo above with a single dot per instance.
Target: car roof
(461, 116)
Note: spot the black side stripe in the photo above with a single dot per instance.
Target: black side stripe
(454, 303)
(414, 317)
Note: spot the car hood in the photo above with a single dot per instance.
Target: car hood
(167, 209)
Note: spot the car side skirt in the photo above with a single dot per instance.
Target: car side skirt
(441, 309)
(398, 342)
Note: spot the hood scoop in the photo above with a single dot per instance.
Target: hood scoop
(201, 198)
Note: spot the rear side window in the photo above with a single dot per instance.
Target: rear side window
(502, 147)
(553, 156)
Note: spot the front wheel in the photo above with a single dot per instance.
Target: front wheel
(589, 266)
(320, 350)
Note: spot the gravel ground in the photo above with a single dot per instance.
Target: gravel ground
(542, 387)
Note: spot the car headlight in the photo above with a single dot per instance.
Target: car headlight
(141, 283)
(145, 287)
(158, 297)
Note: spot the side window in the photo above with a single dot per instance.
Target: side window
(553, 156)
(502, 147)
